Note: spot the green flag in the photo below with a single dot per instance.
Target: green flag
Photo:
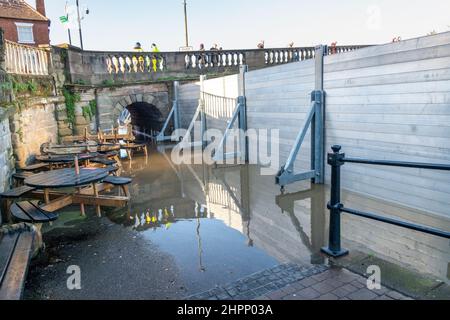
(64, 19)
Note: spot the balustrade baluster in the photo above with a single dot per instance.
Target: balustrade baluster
(33, 60)
(46, 61)
(18, 59)
(34, 66)
(122, 64)
(23, 60)
(186, 61)
(39, 64)
(29, 61)
(194, 61)
(43, 65)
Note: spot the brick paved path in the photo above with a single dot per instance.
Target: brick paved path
(333, 284)
(294, 282)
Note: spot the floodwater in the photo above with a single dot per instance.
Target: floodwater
(221, 224)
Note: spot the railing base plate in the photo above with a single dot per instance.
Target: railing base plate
(334, 254)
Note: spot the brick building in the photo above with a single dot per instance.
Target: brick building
(24, 24)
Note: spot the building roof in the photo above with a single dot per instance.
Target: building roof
(19, 9)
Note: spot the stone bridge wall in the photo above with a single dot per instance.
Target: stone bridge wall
(96, 68)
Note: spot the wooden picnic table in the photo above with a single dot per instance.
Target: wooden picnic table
(65, 158)
(67, 178)
(55, 160)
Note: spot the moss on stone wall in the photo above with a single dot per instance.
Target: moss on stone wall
(23, 88)
(90, 110)
(71, 99)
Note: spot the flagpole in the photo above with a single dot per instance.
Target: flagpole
(66, 21)
(79, 26)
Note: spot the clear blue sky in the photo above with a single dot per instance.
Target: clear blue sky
(117, 25)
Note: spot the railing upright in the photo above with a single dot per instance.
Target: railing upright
(334, 245)
(336, 160)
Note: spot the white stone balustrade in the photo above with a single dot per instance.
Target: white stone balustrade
(26, 60)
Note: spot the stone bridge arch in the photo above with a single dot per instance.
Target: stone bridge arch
(149, 102)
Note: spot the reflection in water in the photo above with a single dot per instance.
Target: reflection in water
(221, 224)
(199, 239)
(318, 209)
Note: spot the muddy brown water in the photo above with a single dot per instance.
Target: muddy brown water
(224, 215)
(218, 224)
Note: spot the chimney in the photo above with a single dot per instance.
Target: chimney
(40, 7)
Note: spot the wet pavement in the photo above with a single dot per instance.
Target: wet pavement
(193, 228)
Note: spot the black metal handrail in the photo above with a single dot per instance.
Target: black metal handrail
(336, 160)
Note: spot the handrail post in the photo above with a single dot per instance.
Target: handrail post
(335, 160)
(203, 119)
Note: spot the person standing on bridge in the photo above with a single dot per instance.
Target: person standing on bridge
(215, 55)
(201, 57)
(155, 59)
(140, 60)
(138, 47)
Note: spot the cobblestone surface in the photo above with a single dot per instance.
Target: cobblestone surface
(294, 282)
(333, 284)
(260, 283)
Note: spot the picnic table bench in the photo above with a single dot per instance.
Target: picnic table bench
(31, 212)
(8, 196)
(104, 161)
(16, 248)
(35, 167)
(20, 177)
(131, 147)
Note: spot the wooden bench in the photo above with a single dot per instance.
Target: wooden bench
(112, 170)
(16, 248)
(36, 167)
(103, 161)
(130, 147)
(20, 177)
(109, 154)
(121, 182)
(7, 197)
(30, 212)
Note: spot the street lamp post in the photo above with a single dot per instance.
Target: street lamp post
(186, 23)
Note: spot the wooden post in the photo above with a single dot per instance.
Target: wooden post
(77, 172)
(77, 166)
(97, 207)
(5, 207)
(46, 196)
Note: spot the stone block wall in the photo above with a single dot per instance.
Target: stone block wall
(6, 152)
(31, 127)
